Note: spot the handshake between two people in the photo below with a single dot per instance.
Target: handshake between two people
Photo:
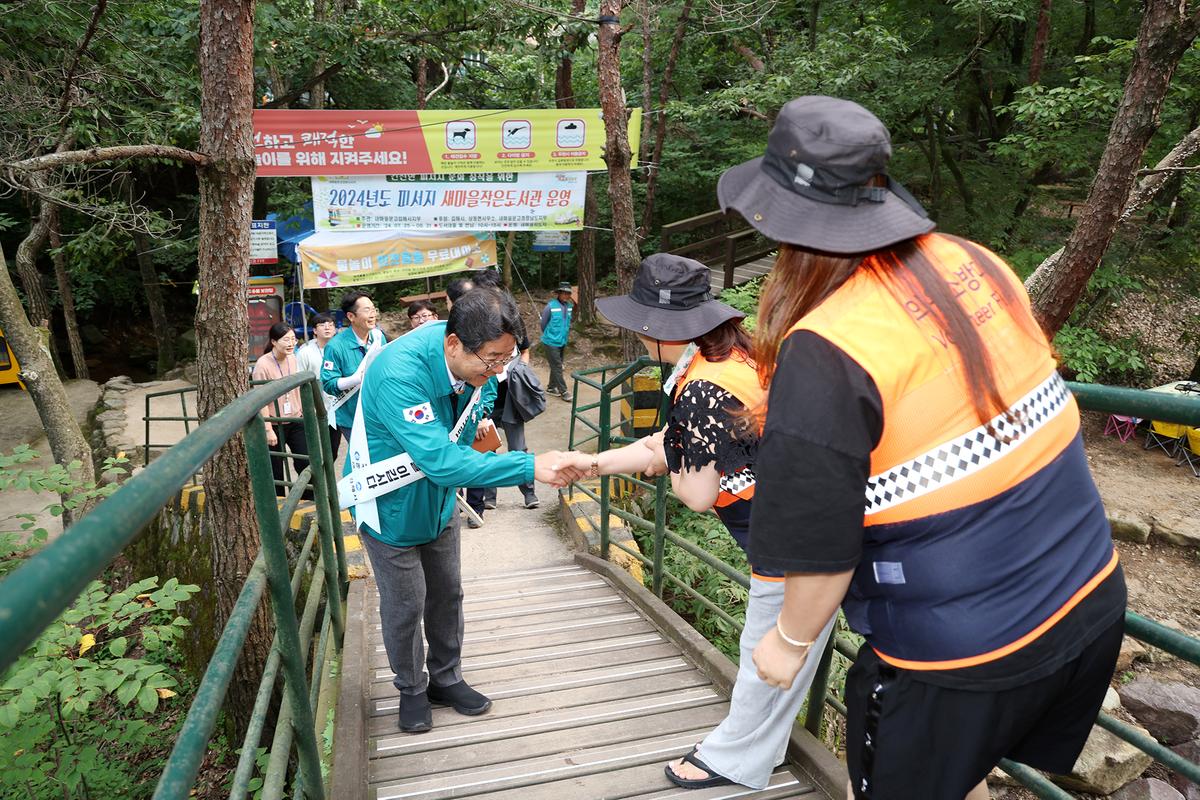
(559, 468)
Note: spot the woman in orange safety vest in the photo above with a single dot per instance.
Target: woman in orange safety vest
(921, 464)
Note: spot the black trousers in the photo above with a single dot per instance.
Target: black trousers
(290, 434)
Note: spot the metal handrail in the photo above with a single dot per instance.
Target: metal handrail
(35, 594)
(1118, 400)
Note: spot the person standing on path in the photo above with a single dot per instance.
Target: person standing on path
(556, 329)
(921, 464)
(279, 362)
(710, 446)
(341, 372)
(310, 356)
(421, 402)
(505, 413)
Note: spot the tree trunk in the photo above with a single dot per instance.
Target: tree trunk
(66, 296)
(1089, 28)
(226, 192)
(1166, 32)
(646, 13)
(27, 255)
(1145, 191)
(164, 331)
(506, 267)
(660, 125)
(316, 93)
(585, 261)
(67, 444)
(422, 80)
(1041, 40)
(814, 16)
(585, 253)
(617, 156)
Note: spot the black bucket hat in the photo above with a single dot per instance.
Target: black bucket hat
(671, 300)
(811, 187)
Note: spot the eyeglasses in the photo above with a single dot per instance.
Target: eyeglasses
(494, 366)
(424, 316)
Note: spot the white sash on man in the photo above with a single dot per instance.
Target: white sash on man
(374, 345)
(366, 480)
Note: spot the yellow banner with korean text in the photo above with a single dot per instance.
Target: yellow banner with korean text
(330, 260)
(393, 142)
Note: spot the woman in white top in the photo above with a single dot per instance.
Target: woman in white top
(279, 362)
(309, 356)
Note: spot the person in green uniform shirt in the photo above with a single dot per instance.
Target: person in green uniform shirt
(418, 401)
(344, 354)
(556, 329)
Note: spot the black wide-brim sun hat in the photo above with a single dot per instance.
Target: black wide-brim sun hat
(811, 187)
(671, 300)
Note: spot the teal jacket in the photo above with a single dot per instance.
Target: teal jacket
(556, 323)
(407, 375)
(342, 356)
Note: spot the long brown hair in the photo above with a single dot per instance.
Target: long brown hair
(724, 340)
(802, 279)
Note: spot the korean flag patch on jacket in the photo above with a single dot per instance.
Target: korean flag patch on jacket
(419, 414)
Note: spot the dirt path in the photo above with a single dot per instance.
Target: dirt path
(21, 425)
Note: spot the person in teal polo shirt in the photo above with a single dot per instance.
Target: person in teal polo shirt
(556, 328)
(344, 354)
(414, 392)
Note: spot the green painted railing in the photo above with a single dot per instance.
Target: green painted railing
(605, 433)
(34, 595)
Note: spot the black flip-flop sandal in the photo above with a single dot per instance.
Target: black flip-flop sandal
(713, 778)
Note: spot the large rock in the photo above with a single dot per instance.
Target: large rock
(1131, 651)
(1147, 789)
(1177, 532)
(1170, 711)
(1130, 528)
(1190, 751)
(1105, 765)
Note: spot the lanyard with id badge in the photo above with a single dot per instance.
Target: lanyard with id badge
(286, 409)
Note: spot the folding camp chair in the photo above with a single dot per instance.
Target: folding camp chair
(1189, 450)
(1166, 436)
(1121, 426)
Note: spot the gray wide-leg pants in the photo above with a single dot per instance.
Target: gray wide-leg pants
(748, 745)
(414, 583)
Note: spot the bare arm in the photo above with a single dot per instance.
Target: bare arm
(809, 600)
(697, 488)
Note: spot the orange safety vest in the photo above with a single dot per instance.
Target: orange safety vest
(736, 375)
(973, 546)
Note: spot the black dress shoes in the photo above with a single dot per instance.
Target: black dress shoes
(459, 696)
(416, 716)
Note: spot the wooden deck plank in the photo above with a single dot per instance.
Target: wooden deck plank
(514, 608)
(622, 617)
(634, 782)
(493, 577)
(486, 729)
(470, 663)
(482, 677)
(384, 724)
(519, 771)
(563, 631)
(547, 683)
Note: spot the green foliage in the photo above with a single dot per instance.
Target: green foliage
(744, 297)
(703, 530)
(1095, 359)
(18, 471)
(80, 709)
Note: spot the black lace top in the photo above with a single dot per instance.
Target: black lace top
(703, 429)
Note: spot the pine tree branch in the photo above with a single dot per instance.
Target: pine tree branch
(96, 155)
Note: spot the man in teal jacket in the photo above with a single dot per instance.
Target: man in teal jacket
(413, 394)
(344, 354)
(556, 329)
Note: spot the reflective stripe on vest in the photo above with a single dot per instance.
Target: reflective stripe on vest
(736, 375)
(974, 543)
